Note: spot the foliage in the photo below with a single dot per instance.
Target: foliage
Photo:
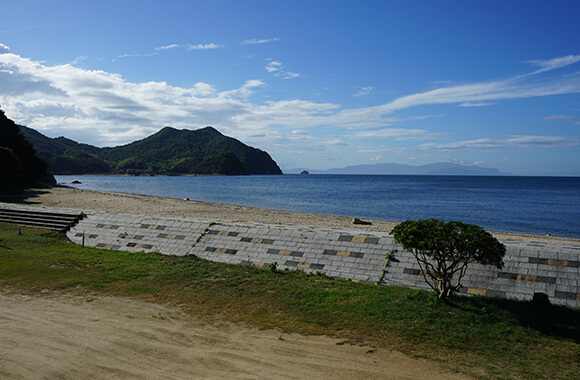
(65, 155)
(443, 250)
(481, 336)
(10, 167)
(204, 151)
(18, 160)
(224, 163)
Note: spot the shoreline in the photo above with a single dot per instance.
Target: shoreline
(130, 203)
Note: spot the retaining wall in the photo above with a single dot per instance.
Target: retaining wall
(552, 268)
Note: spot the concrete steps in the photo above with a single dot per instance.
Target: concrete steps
(41, 219)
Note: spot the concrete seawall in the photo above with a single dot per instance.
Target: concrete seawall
(552, 268)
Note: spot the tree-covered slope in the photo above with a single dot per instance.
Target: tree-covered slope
(19, 163)
(204, 151)
(65, 155)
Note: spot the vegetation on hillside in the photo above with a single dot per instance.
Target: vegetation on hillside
(19, 164)
(204, 151)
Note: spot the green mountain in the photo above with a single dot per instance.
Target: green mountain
(204, 151)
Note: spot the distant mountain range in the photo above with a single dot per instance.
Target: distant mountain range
(441, 168)
(203, 151)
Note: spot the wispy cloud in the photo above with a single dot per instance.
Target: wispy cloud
(481, 93)
(137, 55)
(168, 47)
(515, 141)
(256, 41)
(4, 49)
(476, 104)
(26, 28)
(364, 91)
(273, 66)
(554, 63)
(558, 117)
(393, 134)
(277, 68)
(209, 46)
(190, 47)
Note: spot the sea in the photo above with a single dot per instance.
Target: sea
(532, 205)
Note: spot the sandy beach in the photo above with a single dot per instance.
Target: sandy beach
(145, 204)
(69, 337)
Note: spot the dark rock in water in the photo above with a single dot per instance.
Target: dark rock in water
(76, 182)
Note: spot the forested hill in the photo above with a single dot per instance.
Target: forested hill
(203, 151)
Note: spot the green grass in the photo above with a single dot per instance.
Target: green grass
(483, 337)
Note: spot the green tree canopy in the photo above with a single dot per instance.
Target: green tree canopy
(443, 250)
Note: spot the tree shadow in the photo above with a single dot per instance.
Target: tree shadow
(22, 196)
(552, 320)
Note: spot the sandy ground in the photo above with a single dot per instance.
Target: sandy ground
(66, 337)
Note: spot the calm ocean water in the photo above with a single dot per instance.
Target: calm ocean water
(537, 205)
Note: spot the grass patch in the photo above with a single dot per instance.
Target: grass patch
(483, 337)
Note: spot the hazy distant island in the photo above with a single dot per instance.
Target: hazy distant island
(169, 151)
(441, 168)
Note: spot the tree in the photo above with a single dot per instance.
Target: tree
(443, 250)
(18, 158)
(10, 168)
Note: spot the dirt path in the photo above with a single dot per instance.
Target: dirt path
(68, 337)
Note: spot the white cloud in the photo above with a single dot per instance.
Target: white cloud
(256, 41)
(190, 47)
(476, 104)
(210, 46)
(276, 67)
(515, 141)
(66, 100)
(168, 47)
(288, 75)
(554, 63)
(137, 55)
(364, 91)
(393, 134)
(102, 108)
(273, 66)
(484, 92)
(558, 117)
(4, 49)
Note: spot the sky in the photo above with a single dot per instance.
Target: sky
(317, 84)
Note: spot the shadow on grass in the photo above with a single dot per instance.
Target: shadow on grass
(561, 322)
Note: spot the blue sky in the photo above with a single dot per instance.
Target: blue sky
(317, 84)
